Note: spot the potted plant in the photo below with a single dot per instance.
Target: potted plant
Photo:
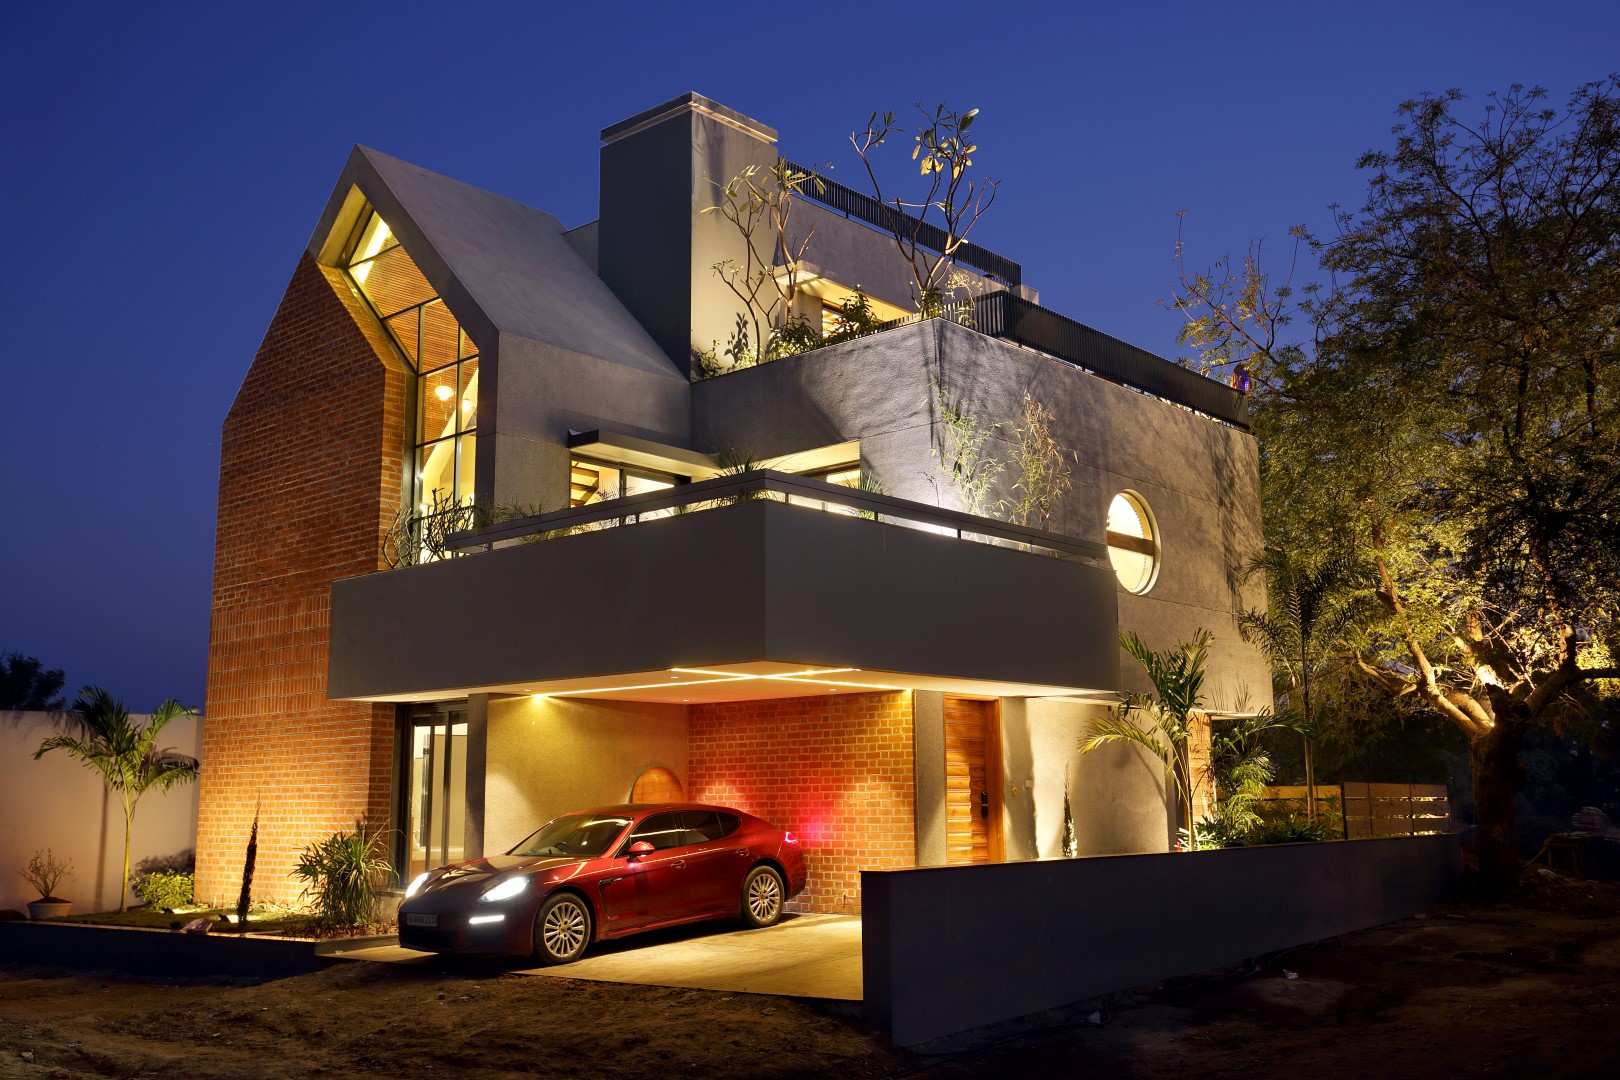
(45, 873)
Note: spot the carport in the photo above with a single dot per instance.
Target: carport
(803, 956)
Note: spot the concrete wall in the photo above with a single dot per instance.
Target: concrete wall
(759, 581)
(59, 804)
(1116, 794)
(953, 948)
(1199, 478)
(549, 757)
(853, 253)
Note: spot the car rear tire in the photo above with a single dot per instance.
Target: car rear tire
(762, 896)
(562, 930)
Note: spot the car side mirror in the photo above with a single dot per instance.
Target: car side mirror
(640, 848)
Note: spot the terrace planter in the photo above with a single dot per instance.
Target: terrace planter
(52, 908)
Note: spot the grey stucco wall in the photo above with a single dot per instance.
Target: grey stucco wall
(1199, 478)
(1116, 794)
(853, 253)
(543, 393)
(928, 779)
(1080, 928)
(758, 581)
(549, 757)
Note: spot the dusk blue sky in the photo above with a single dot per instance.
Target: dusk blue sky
(164, 164)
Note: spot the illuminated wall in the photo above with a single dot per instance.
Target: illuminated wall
(835, 770)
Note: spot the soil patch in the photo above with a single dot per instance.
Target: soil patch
(1526, 988)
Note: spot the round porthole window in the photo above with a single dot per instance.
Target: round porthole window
(1133, 542)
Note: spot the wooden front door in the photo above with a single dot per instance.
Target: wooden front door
(972, 781)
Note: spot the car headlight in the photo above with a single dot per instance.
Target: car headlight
(415, 886)
(507, 889)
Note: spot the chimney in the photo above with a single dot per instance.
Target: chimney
(656, 247)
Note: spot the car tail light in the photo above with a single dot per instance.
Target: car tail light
(789, 838)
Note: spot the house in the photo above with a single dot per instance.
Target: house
(490, 548)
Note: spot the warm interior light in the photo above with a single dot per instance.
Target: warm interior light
(443, 393)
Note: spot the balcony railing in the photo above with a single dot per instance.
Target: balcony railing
(725, 491)
(1011, 318)
(892, 220)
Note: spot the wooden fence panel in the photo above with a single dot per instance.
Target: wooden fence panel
(1394, 809)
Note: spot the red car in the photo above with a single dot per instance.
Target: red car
(598, 874)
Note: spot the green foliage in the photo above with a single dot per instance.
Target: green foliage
(26, 685)
(1451, 418)
(343, 875)
(244, 899)
(1040, 465)
(163, 888)
(758, 202)
(124, 753)
(1160, 723)
(1071, 842)
(795, 337)
(45, 873)
(1242, 770)
(961, 448)
(855, 319)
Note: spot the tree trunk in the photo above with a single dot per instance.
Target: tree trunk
(1497, 777)
(123, 882)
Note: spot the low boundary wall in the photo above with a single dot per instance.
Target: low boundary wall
(946, 949)
(163, 954)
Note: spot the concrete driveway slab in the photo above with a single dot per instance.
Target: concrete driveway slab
(807, 956)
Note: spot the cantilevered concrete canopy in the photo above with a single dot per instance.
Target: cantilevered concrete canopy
(759, 599)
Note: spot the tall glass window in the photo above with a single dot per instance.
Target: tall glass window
(443, 356)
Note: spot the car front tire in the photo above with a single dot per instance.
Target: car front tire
(762, 896)
(562, 930)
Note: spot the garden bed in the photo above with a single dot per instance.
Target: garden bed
(83, 943)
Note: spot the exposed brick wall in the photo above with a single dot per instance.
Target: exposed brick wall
(837, 771)
(310, 471)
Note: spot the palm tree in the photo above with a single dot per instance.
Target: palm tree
(1177, 676)
(125, 754)
(1313, 604)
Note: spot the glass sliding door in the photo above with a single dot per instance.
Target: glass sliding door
(435, 788)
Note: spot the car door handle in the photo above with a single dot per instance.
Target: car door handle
(741, 852)
(679, 864)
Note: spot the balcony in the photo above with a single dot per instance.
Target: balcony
(757, 585)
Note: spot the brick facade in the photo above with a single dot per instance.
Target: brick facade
(837, 771)
(310, 475)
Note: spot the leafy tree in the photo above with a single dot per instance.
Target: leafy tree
(125, 753)
(27, 685)
(944, 155)
(758, 203)
(1177, 676)
(1453, 416)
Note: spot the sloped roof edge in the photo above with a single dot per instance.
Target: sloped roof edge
(501, 266)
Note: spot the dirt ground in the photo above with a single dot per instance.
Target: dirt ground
(1530, 988)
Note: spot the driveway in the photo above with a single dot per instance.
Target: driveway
(803, 956)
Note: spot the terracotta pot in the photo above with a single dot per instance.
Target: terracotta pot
(40, 910)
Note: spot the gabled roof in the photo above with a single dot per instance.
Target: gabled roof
(502, 267)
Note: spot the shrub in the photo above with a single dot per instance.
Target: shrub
(166, 889)
(342, 875)
(45, 873)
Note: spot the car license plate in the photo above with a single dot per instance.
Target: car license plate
(414, 919)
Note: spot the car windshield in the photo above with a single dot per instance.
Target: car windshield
(581, 836)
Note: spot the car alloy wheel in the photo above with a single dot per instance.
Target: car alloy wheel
(562, 929)
(762, 897)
